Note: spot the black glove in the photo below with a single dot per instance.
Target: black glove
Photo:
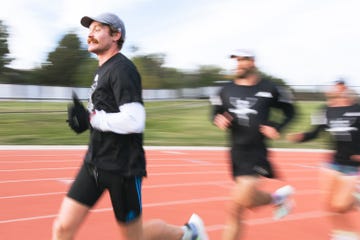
(78, 116)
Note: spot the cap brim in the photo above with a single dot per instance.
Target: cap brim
(86, 21)
(241, 56)
(339, 82)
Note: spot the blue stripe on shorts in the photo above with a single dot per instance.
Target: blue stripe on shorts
(344, 169)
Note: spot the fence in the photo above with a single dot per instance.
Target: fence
(35, 92)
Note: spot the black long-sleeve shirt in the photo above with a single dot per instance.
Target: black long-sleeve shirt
(343, 123)
(250, 107)
(116, 82)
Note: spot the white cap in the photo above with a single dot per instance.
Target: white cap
(242, 53)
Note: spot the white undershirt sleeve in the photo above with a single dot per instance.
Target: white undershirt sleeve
(130, 119)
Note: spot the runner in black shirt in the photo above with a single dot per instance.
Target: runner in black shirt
(341, 118)
(243, 107)
(115, 160)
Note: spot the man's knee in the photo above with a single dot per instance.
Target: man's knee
(157, 224)
(62, 231)
(339, 207)
(244, 192)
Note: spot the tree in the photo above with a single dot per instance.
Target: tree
(207, 75)
(4, 48)
(84, 74)
(63, 63)
(155, 75)
(276, 80)
(151, 70)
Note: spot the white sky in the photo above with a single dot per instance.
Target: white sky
(305, 42)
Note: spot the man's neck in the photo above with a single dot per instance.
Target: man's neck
(250, 80)
(102, 58)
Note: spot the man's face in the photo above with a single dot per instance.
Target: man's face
(99, 38)
(245, 66)
(340, 86)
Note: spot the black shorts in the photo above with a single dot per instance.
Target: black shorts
(125, 192)
(251, 160)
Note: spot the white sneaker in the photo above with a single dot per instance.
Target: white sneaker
(283, 202)
(197, 227)
(357, 199)
(344, 235)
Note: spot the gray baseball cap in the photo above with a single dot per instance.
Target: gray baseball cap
(242, 53)
(340, 81)
(106, 18)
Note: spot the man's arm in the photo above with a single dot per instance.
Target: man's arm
(130, 119)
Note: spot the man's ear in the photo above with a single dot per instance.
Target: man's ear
(116, 36)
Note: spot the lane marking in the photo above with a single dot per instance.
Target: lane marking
(33, 195)
(222, 184)
(149, 205)
(263, 221)
(69, 181)
(38, 169)
(224, 173)
(163, 148)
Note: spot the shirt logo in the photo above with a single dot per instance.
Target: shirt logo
(264, 94)
(243, 109)
(341, 129)
(352, 114)
(92, 89)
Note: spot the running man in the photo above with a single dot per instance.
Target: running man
(115, 159)
(340, 176)
(243, 107)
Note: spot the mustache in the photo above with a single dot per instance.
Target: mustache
(92, 40)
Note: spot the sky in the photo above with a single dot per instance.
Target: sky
(304, 42)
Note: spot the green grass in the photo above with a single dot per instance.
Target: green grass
(181, 123)
(169, 123)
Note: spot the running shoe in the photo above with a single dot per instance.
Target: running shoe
(344, 235)
(196, 225)
(357, 199)
(283, 202)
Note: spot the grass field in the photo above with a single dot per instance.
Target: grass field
(175, 123)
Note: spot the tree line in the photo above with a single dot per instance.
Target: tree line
(70, 64)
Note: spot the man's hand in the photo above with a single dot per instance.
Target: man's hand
(295, 137)
(269, 132)
(78, 116)
(355, 157)
(223, 121)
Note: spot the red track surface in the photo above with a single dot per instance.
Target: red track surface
(180, 182)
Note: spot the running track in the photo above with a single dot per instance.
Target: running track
(34, 180)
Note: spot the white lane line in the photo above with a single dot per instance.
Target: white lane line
(69, 181)
(38, 169)
(33, 195)
(251, 222)
(225, 173)
(222, 184)
(164, 148)
(174, 152)
(33, 180)
(146, 205)
(199, 163)
(26, 160)
(262, 221)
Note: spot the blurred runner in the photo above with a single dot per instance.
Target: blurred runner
(243, 107)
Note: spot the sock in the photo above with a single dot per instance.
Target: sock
(187, 233)
(357, 198)
(276, 199)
